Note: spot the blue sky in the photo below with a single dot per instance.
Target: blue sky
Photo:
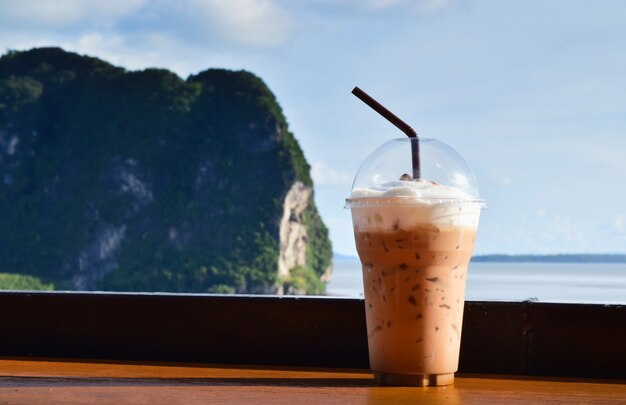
(531, 93)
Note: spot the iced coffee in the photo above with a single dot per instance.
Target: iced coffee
(414, 238)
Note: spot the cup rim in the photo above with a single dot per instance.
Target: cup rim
(408, 201)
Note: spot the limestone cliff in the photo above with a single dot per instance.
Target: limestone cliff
(293, 235)
(140, 180)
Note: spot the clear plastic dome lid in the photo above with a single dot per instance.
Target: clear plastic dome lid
(387, 172)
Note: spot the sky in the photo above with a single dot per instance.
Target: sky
(531, 93)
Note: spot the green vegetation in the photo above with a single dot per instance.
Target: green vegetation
(143, 181)
(15, 92)
(302, 280)
(21, 282)
(319, 249)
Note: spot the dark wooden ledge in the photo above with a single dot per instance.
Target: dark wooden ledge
(515, 338)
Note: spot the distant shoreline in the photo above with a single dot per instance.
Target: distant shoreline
(555, 258)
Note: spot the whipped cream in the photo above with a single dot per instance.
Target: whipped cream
(421, 189)
(410, 203)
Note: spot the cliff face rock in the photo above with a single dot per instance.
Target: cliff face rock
(98, 258)
(293, 231)
(143, 181)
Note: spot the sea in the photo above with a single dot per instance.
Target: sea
(590, 283)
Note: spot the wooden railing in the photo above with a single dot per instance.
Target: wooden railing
(515, 338)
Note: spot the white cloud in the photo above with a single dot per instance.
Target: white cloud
(63, 13)
(350, 6)
(381, 4)
(96, 43)
(325, 176)
(420, 6)
(155, 49)
(116, 49)
(431, 6)
(257, 23)
(250, 22)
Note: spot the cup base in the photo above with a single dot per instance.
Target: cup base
(414, 380)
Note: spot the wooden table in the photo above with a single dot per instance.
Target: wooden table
(59, 381)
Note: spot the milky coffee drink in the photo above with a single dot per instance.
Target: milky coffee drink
(415, 239)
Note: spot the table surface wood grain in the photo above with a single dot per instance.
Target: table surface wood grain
(65, 381)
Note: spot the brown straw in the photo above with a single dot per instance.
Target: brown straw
(403, 126)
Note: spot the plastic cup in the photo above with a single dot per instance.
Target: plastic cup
(414, 247)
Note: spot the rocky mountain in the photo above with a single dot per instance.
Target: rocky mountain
(142, 181)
